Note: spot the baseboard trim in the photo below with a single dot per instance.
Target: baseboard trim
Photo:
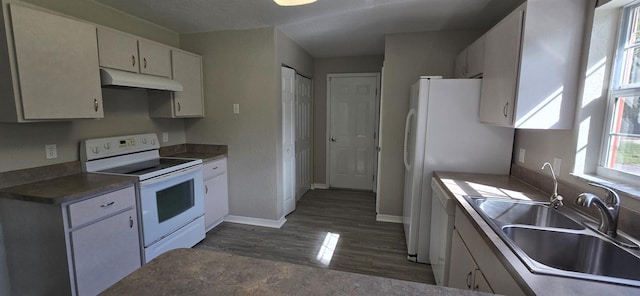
(256, 221)
(319, 186)
(388, 218)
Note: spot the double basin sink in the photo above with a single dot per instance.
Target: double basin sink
(552, 241)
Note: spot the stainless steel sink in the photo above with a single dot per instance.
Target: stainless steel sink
(504, 212)
(575, 252)
(555, 242)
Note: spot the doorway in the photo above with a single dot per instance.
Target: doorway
(352, 117)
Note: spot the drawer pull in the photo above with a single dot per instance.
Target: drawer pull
(107, 204)
(468, 279)
(215, 168)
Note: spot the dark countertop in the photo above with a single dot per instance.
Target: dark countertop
(67, 188)
(206, 152)
(205, 156)
(459, 184)
(202, 272)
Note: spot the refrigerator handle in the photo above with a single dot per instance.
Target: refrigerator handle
(407, 125)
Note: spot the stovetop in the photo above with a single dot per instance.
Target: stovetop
(146, 167)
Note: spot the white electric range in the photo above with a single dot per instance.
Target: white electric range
(170, 197)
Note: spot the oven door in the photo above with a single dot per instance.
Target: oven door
(170, 202)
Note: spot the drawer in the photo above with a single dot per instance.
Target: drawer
(214, 168)
(100, 206)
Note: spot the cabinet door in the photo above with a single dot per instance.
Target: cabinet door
(216, 200)
(154, 59)
(480, 283)
(475, 58)
(461, 267)
(105, 252)
(460, 68)
(187, 69)
(501, 67)
(117, 50)
(57, 62)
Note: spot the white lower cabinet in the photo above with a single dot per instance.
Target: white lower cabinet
(105, 252)
(216, 193)
(473, 265)
(75, 248)
(465, 274)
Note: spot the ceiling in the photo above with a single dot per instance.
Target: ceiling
(326, 28)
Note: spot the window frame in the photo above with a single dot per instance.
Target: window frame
(616, 90)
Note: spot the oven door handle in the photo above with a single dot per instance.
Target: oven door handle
(171, 175)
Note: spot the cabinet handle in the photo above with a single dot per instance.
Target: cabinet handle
(130, 222)
(96, 105)
(468, 279)
(145, 62)
(504, 109)
(179, 107)
(215, 168)
(107, 204)
(133, 60)
(206, 189)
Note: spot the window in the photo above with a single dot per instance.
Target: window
(622, 137)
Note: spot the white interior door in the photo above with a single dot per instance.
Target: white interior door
(288, 140)
(352, 100)
(303, 135)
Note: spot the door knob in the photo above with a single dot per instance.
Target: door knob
(333, 139)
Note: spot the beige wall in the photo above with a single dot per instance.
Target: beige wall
(408, 56)
(324, 66)
(125, 111)
(243, 67)
(239, 69)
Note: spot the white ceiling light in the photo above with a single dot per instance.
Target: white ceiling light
(293, 2)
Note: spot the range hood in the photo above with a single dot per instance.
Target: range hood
(112, 77)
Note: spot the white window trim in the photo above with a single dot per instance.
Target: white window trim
(616, 91)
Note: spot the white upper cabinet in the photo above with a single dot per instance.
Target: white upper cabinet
(117, 50)
(186, 69)
(531, 67)
(49, 66)
(502, 55)
(154, 59)
(470, 62)
(128, 53)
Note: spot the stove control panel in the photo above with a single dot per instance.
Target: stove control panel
(114, 146)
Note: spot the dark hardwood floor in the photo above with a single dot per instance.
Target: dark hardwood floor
(336, 229)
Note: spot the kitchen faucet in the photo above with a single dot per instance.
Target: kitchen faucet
(608, 208)
(555, 199)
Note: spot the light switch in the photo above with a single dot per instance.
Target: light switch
(236, 108)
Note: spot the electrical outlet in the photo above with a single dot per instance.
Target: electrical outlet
(521, 155)
(51, 151)
(165, 137)
(236, 108)
(557, 163)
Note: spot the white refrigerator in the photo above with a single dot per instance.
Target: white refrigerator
(443, 133)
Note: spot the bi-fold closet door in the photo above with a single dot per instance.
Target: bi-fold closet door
(296, 137)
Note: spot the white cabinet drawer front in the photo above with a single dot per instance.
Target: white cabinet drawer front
(214, 168)
(100, 206)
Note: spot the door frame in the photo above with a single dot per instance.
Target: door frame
(375, 129)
